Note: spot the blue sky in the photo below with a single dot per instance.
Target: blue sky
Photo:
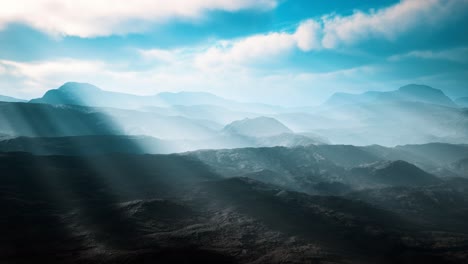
(291, 52)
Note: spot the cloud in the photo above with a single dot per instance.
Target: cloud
(247, 50)
(33, 79)
(307, 35)
(227, 67)
(389, 22)
(456, 55)
(161, 55)
(334, 31)
(89, 18)
(261, 48)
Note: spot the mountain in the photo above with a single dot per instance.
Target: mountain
(257, 127)
(462, 101)
(346, 98)
(174, 209)
(411, 93)
(219, 114)
(443, 206)
(393, 173)
(192, 98)
(85, 94)
(49, 120)
(460, 167)
(90, 145)
(415, 114)
(10, 99)
(409, 123)
(418, 93)
(41, 120)
(437, 153)
(296, 168)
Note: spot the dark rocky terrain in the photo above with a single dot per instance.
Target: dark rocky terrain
(121, 208)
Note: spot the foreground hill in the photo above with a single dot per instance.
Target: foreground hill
(300, 156)
(393, 173)
(173, 209)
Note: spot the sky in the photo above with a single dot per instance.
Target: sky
(288, 52)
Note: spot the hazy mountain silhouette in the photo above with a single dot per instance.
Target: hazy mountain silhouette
(462, 101)
(257, 127)
(85, 94)
(4, 98)
(73, 93)
(346, 98)
(40, 120)
(460, 166)
(411, 93)
(90, 145)
(393, 173)
(416, 114)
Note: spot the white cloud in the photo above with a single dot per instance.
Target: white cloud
(224, 67)
(32, 79)
(389, 22)
(88, 18)
(162, 55)
(308, 35)
(248, 50)
(260, 48)
(333, 31)
(456, 54)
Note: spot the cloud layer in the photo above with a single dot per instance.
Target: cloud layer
(249, 66)
(89, 18)
(335, 31)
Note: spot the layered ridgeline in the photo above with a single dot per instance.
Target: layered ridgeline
(257, 186)
(462, 101)
(4, 98)
(411, 93)
(191, 208)
(413, 114)
(85, 94)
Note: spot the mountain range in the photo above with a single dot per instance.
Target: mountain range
(92, 176)
(413, 114)
(4, 98)
(411, 93)
(462, 101)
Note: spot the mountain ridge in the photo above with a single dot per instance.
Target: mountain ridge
(256, 127)
(4, 98)
(410, 92)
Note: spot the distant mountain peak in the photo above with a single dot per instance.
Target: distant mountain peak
(257, 127)
(397, 172)
(77, 86)
(4, 98)
(73, 93)
(419, 87)
(409, 93)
